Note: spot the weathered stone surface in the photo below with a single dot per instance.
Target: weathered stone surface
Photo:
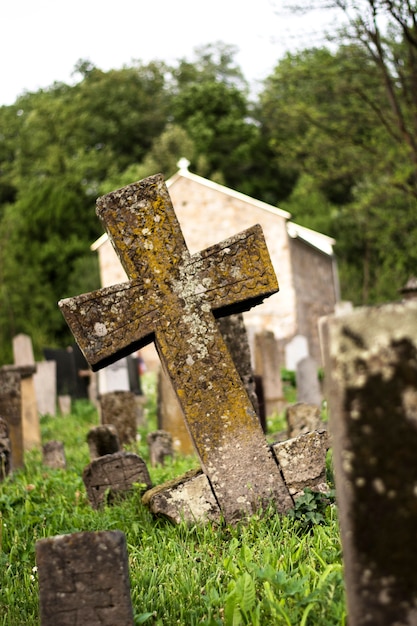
(84, 580)
(54, 455)
(371, 383)
(303, 418)
(11, 411)
(171, 416)
(119, 408)
(308, 385)
(160, 447)
(170, 298)
(268, 363)
(188, 498)
(102, 440)
(5, 450)
(303, 462)
(23, 357)
(113, 475)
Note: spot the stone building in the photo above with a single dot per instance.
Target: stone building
(303, 259)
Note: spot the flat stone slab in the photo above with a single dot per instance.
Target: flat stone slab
(113, 475)
(188, 498)
(303, 462)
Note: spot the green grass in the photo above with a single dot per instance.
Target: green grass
(270, 570)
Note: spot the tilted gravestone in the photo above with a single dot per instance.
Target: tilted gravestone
(171, 298)
(84, 579)
(112, 476)
(371, 384)
(102, 440)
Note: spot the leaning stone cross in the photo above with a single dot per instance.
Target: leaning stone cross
(172, 298)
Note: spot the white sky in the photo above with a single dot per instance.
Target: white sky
(41, 40)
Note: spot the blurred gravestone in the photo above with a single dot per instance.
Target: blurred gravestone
(53, 455)
(102, 440)
(84, 580)
(11, 411)
(160, 447)
(23, 357)
(268, 363)
(45, 387)
(119, 408)
(308, 385)
(295, 350)
(371, 387)
(5, 449)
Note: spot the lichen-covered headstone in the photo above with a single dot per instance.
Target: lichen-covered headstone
(371, 384)
(171, 298)
(84, 580)
(113, 476)
(119, 408)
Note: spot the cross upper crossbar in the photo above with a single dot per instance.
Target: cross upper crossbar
(171, 298)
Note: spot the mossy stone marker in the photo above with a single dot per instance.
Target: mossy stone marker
(172, 298)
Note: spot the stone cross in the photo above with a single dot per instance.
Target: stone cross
(172, 298)
(371, 382)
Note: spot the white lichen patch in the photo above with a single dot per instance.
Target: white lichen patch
(100, 329)
(378, 485)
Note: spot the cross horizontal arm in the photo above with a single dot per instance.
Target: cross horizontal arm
(232, 276)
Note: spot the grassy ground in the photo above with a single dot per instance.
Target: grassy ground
(271, 570)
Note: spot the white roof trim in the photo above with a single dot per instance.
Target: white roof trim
(318, 240)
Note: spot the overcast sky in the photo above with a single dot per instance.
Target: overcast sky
(41, 40)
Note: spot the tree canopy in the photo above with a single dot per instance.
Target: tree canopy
(331, 137)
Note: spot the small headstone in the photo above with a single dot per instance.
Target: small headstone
(64, 404)
(308, 385)
(295, 350)
(11, 411)
(54, 455)
(102, 440)
(188, 498)
(5, 450)
(113, 475)
(268, 363)
(371, 386)
(84, 579)
(303, 462)
(45, 387)
(23, 356)
(160, 447)
(302, 418)
(119, 408)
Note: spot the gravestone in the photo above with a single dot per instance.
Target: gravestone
(45, 387)
(53, 455)
(268, 365)
(171, 416)
(102, 440)
(308, 385)
(160, 447)
(119, 408)
(84, 579)
(11, 411)
(371, 386)
(23, 357)
(113, 475)
(295, 350)
(303, 462)
(171, 298)
(5, 449)
(302, 418)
